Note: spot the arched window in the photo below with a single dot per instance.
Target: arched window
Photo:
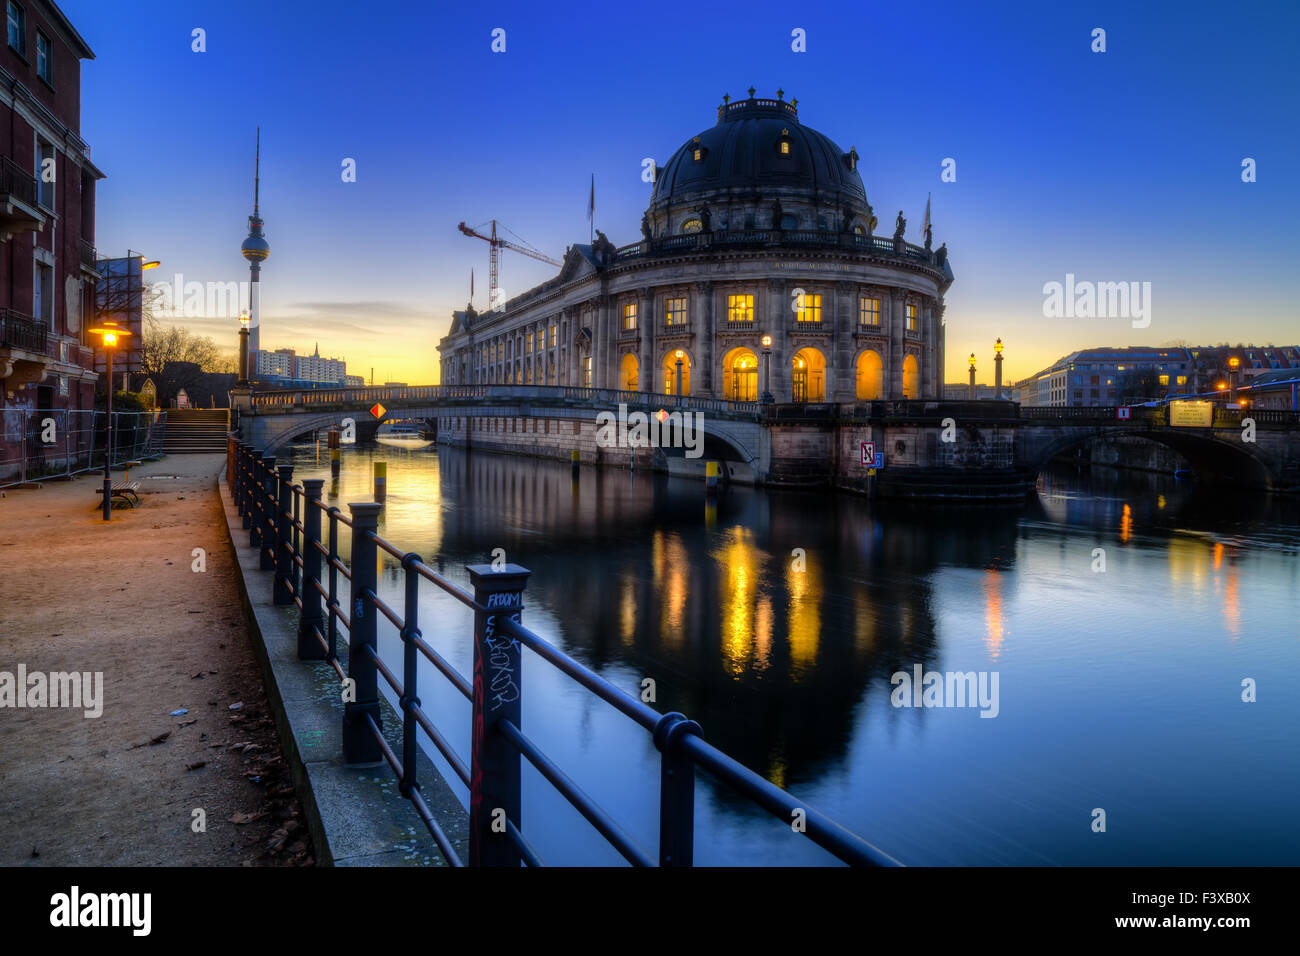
(868, 375)
(911, 378)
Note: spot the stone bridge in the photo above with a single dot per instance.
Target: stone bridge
(975, 449)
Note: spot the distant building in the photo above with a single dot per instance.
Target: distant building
(1115, 376)
(395, 385)
(287, 369)
(1273, 390)
(960, 393)
(354, 381)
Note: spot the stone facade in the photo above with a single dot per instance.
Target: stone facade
(758, 226)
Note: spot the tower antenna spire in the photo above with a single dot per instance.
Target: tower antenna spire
(257, 172)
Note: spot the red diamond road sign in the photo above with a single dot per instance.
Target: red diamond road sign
(378, 410)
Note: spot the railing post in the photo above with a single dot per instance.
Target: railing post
(410, 696)
(266, 537)
(359, 745)
(245, 483)
(310, 620)
(676, 791)
(284, 565)
(494, 762)
(332, 618)
(256, 492)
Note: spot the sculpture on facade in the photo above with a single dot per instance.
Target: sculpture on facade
(645, 225)
(900, 226)
(706, 219)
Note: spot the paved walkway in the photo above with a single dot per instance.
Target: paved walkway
(123, 598)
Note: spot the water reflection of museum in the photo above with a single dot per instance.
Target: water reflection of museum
(742, 219)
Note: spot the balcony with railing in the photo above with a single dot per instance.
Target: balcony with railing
(19, 210)
(25, 350)
(89, 258)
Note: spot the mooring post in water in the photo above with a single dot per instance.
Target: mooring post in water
(333, 442)
(494, 761)
(361, 705)
(381, 480)
(710, 479)
(574, 458)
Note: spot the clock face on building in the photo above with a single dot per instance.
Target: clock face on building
(692, 225)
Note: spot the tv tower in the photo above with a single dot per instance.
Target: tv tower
(255, 249)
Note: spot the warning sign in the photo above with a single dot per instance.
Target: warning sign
(868, 454)
(378, 410)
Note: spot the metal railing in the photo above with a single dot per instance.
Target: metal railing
(21, 331)
(62, 442)
(17, 182)
(286, 525)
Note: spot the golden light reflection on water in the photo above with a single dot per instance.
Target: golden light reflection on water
(1126, 525)
(627, 611)
(671, 564)
(993, 612)
(737, 560)
(1232, 603)
(1189, 561)
(805, 619)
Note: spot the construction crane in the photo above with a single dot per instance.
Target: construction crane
(496, 242)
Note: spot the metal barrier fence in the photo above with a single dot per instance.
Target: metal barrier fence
(59, 442)
(296, 535)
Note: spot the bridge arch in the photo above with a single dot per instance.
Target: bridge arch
(1214, 459)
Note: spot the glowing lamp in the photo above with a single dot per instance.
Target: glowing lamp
(151, 264)
(680, 354)
(244, 318)
(972, 360)
(997, 346)
(767, 341)
(1234, 362)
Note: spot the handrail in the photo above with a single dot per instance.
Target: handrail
(287, 524)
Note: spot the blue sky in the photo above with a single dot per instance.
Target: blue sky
(1115, 166)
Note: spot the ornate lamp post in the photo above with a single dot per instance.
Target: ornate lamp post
(767, 370)
(1233, 364)
(997, 369)
(971, 392)
(109, 333)
(680, 356)
(243, 347)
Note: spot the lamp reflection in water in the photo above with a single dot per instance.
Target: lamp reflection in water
(804, 619)
(738, 570)
(671, 563)
(993, 612)
(1126, 525)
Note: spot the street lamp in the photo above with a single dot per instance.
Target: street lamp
(997, 369)
(243, 347)
(1233, 363)
(109, 333)
(767, 370)
(971, 393)
(680, 356)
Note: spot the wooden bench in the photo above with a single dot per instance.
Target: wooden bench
(126, 490)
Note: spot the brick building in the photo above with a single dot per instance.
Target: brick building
(47, 223)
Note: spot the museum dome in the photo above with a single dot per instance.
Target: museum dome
(758, 147)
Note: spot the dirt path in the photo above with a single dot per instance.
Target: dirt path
(123, 598)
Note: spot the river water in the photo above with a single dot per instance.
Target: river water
(776, 621)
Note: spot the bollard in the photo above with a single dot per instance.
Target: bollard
(676, 791)
(335, 453)
(311, 621)
(494, 761)
(282, 592)
(266, 536)
(381, 480)
(360, 748)
(710, 478)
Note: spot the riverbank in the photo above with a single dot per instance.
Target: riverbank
(150, 602)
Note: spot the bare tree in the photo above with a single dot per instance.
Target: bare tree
(176, 358)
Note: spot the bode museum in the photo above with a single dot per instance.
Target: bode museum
(759, 244)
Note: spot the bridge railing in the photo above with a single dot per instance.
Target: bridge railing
(297, 537)
(268, 401)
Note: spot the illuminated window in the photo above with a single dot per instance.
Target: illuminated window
(911, 317)
(552, 335)
(1164, 379)
(586, 372)
(528, 344)
(629, 317)
(740, 308)
(810, 310)
(697, 154)
(868, 311)
(692, 225)
(785, 147)
(1182, 380)
(675, 312)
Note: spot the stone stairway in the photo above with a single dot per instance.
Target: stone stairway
(193, 431)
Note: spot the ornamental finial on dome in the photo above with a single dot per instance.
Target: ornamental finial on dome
(780, 94)
(726, 98)
(751, 92)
